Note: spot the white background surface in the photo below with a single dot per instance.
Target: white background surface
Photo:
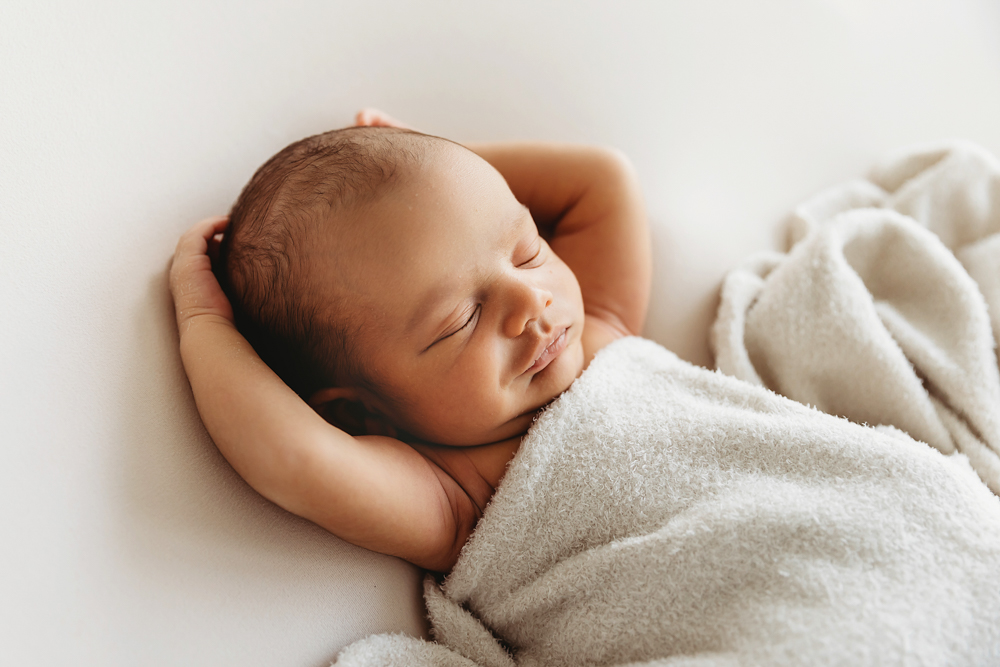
(127, 539)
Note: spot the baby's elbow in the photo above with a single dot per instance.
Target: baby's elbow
(617, 161)
(614, 169)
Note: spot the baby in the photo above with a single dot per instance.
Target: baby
(418, 301)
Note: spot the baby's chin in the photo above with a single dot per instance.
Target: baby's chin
(461, 433)
(546, 387)
(466, 435)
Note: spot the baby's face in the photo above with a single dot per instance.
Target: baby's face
(469, 317)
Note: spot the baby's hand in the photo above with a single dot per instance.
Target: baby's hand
(197, 293)
(377, 118)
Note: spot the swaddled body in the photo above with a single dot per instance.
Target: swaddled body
(662, 512)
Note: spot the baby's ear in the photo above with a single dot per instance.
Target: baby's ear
(341, 407)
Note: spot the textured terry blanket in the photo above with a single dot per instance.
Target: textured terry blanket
(886, 308)
(660, 513)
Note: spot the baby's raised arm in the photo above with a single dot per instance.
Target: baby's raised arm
(587, 201)
(373, 491)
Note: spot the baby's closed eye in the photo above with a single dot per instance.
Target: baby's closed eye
(471, 319)
(466, 323)
(534, 255)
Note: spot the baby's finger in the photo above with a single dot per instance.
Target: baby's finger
(213, 248)
(364, 118)
(209, 227)
(369, 117)
(195, 240)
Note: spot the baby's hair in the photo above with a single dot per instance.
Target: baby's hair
(303, 331)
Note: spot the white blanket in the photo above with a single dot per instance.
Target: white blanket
(663, 513)
(660, 513)
(878, 312)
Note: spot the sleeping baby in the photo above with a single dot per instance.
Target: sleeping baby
(389, 311)
(393, 311)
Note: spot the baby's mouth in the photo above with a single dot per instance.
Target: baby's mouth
(551, 351)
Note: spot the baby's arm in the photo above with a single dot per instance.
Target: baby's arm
(373, 491)
(588, 202)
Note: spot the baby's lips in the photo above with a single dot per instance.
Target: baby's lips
(553, 348)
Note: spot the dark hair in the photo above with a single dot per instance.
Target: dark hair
(300, 329)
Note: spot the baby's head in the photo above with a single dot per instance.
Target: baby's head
(390, 270)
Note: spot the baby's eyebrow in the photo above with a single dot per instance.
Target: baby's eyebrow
(511, 231)
(522, 213)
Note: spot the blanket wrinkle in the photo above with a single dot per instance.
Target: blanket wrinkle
(886, 308)
(455, 626)
(661, 514)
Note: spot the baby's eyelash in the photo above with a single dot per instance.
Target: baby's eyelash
(533, 257)
(475, 311)
(471, 317)
(467, 323)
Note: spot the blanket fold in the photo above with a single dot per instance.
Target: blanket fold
(877, 313)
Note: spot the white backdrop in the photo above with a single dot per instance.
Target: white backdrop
(127, 539)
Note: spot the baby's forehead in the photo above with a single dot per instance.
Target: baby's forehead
(444, 210)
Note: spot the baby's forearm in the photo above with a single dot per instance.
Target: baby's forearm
(553, 179)
(258, 423)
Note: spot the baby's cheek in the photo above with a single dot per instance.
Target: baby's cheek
(479, 407)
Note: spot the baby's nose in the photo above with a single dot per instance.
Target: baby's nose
(528, 304)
